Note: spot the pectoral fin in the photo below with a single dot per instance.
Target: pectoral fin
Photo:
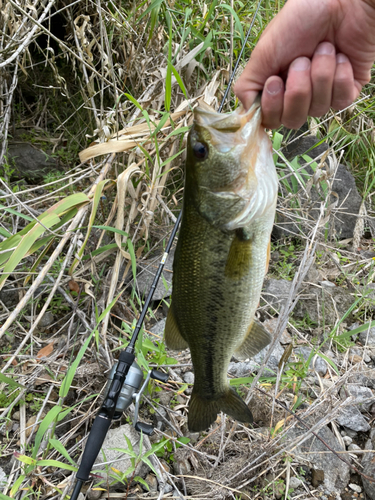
(257, 338)
(172, 335)
(239, 257)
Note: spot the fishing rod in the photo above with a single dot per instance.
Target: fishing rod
(125, 379)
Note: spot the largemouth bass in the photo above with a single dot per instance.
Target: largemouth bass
(222, 255)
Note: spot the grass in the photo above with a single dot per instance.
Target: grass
(120, 76)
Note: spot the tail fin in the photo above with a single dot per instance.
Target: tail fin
(203, 412)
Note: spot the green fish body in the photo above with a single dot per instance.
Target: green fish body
(222, 255)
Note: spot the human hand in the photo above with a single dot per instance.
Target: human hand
(313, 55)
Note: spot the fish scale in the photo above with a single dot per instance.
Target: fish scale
(222, 255)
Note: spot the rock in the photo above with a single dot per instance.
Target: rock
(343, 219)
(347, 440)
(355, 487)
(351, 418)
(368, 337)
(313, 301)
(152, 482)
(16, 415)
(317, 477)
(294, 482)
(271, 324)
(94, 494)
(115, 439)
(362, 376)
(181, 464)
(46, 320)
(368, 464)
(189, 377)
(9, 297)
(159, 327)
(354, 447)
(244, 368)
(363, 396)
(30, 163)
(355, 353)
(147, 273)
(30, 426)
(276, 293)
(3, 478)
(316, 363)
(327, 468)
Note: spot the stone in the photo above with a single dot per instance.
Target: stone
(317, 364)
(46, 320)
(119, 459)
(351, 418)
(275, 293)
(188, 377)
(347, 440)
(348, 201)
(363, 397)
(294, 482)
(355, 352)
(271, 324)
(3, 478)
(244, 368)
(29, 162)
(368, 337)
(368, 467)
(159, 327)
(94, 494)
(325, 303)
(146, 273)
(181, 464)
(355, 487)
(327, 468)
(317, 477)
(152, 482)
(354, 448)
(9, 297)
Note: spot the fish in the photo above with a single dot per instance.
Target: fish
(222, 255)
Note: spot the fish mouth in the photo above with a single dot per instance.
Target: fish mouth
(231, 130)
(206, 116)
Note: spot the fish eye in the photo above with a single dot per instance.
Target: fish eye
(200, 150)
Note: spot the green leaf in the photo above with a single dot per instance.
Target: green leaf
(68, 379)
(61, 449)
(9, 381)
(329, 361)
(26, 460)
(47, 420)
(241, 381)
(147, 462)
(56, 463)
(95, 203)
(15, 487)
(142, 481)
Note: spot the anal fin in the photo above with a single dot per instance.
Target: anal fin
(257, 338)
(172, 335)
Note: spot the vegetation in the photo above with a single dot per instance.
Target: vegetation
(106, 91)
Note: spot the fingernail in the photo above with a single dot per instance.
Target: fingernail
(300, 64)
(274, 87)
(341, 58)
(325, 49)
